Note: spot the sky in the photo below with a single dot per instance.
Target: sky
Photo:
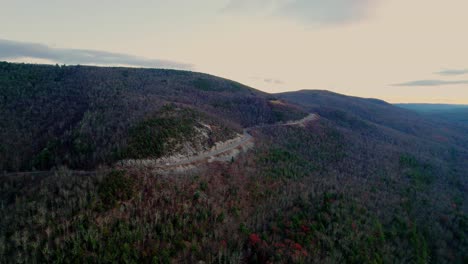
(400, 51)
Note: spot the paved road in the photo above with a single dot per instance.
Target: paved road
(301, 122)
(212, 153)
(246, 137)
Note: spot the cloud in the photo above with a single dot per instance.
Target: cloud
(267, 80)
(273, 81)
(431, 83)
(452, 72)
(307, 11)
(15, 50)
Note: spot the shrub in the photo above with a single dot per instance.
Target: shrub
(116, 186)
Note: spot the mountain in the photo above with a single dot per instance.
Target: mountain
(84, 116)
(358, 181)
(453, 113)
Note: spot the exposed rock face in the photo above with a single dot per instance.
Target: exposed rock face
(197, 150)
(188, 154)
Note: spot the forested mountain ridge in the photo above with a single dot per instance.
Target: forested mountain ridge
(82, 116)
(378, 112)
(367, 182)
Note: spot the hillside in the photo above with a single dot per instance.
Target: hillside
(357, 181)
(342, 107)
(82, 116)
(452, 113)
(408, 157)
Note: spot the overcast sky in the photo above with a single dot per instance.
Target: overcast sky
(396, 50)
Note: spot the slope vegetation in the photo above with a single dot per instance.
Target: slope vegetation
(82, 116)
(363, 182)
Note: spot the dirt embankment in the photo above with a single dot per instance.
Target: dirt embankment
(222, 151)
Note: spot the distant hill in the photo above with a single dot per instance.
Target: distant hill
(354, 109)
(452, 113)
(432, 107)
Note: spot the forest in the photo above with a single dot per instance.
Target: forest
(368, 182)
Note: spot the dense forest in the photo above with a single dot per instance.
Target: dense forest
(368, 182)
(82, 117)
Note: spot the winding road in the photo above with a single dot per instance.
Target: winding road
(246, 137)
(213, 153)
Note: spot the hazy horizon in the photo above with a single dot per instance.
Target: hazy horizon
(396, 51)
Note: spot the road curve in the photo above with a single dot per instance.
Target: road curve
(246, 137)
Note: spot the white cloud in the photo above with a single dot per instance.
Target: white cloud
(14, 50)
(453, 72)
(273, 81)
(431, 83)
